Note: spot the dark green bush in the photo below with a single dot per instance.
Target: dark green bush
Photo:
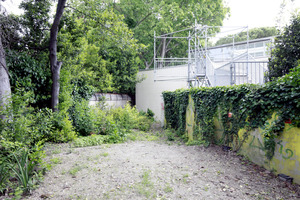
(82, 118)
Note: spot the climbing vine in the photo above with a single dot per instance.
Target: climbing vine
(175, 104)
(245, 106)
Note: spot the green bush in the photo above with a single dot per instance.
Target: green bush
(62, 130)
(83, 118)
(286, 53)
(4, 175)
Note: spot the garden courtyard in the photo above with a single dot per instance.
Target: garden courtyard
(150, 167)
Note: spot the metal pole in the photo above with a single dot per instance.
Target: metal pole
(231, 74)
(154, 56)
(196, 49)
(206, 54)
(189, 60)
(247, 52)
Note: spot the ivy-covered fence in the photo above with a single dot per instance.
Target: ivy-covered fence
(238, 107)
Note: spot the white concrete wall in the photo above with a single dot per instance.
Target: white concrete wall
(149, 91)
(111, 100)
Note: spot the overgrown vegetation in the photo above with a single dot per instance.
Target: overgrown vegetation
(26, 131)
(250, 106)
(99, 53)
(246, 106)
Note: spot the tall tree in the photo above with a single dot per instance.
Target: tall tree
(166, 16)
(54, 63)
(286, 53)
(98, 48)
(5, 90)
(35, 24)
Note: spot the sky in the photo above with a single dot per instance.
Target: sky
(252, 13)
(258, 13)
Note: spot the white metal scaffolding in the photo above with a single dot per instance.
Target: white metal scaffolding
(203, 66)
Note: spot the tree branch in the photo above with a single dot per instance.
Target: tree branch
(143, 19)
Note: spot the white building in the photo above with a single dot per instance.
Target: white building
(229, 64)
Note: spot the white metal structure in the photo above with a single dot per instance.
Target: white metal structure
(229, 64)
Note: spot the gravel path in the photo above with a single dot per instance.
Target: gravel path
(156, 170)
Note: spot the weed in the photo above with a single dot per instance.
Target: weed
(142, 136)
(97, 157)
(93, 140)
(206, 188)
(73, 171)
(195, 142)
(24, 170)
(4, 174)
(219, 172)
(56, 151)
(146, 178)
(168, 189)
(170, 135)
(105, 154)
(146, 187)
(56, 160)
(185, 176)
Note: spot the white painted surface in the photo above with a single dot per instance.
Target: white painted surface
(111, 100)
(149, 92)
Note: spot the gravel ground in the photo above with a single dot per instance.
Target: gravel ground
(156, 170)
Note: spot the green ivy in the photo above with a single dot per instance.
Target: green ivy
(175, 105)
(251, 106)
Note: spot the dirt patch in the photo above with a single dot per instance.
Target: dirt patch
(156, 170)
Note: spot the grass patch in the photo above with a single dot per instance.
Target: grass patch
(56, 151)
(168, 189)
(105, 154)
(146, 187)
(75, 169)
(56, 160)
(185, 178)
(135, 135)
(93, 140)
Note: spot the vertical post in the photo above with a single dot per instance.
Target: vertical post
(232, 65)
(231, 73)
(189, 60)
(154, 57)
(247, 53)
(196, 49)
(205, 48)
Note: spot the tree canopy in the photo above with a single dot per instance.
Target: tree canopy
(286, 53)
(254, 33)
(166, 16)
(98, 47)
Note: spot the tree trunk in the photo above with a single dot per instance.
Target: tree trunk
(5, 90)
(54, 64)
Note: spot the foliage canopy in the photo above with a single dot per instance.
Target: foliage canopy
(166, 16)
(286, 53)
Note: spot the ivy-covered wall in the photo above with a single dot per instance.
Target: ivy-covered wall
(261, 122)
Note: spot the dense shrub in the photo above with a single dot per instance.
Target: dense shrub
(25, 130)
(82, 117)
(286, 53)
